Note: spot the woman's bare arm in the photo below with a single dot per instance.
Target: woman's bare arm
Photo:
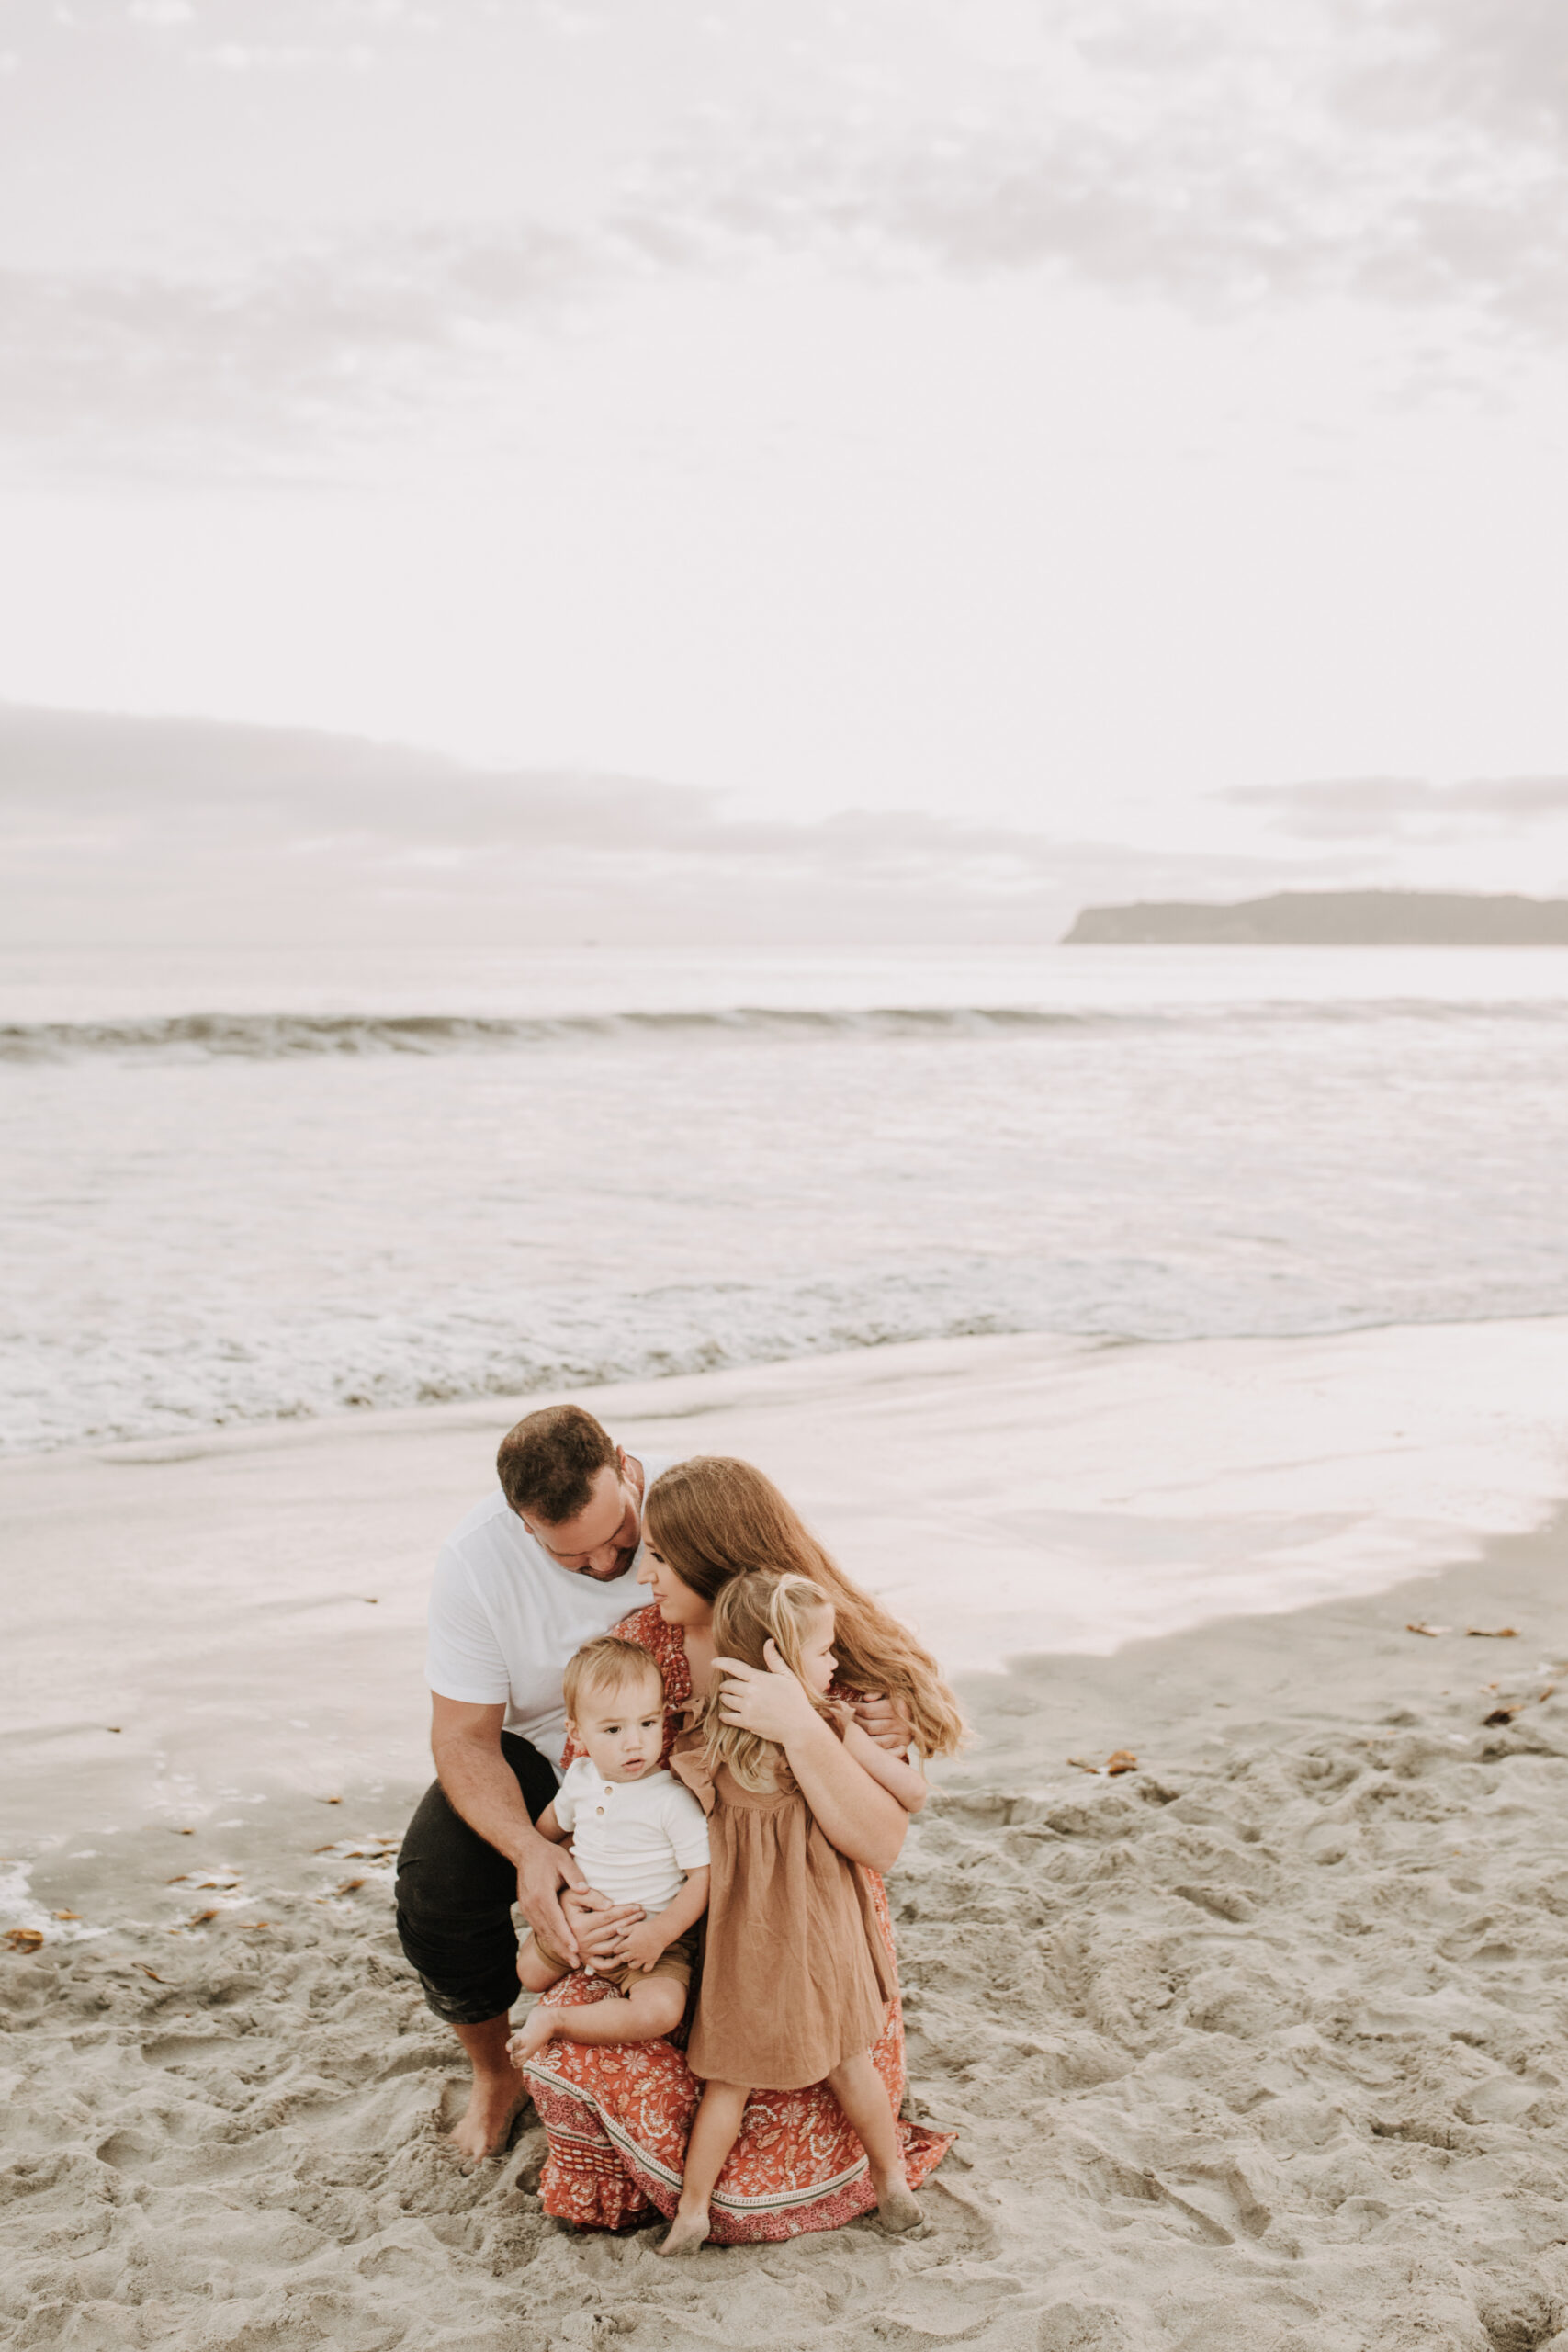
(856, 1813)
(860, 1819)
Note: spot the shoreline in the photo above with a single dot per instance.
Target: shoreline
(246, 1608)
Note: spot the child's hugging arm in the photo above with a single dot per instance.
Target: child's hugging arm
(894, 1773)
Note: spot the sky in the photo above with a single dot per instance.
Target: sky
(1098, 448)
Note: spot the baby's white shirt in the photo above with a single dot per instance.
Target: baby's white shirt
(634, 1840)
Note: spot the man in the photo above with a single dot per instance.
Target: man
(544, 1565)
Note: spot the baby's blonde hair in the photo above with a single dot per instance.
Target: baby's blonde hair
(750, 1611)
(608, 1663)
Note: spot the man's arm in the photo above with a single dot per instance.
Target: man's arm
(465, 1743)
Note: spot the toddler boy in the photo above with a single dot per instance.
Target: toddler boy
(638, 1837)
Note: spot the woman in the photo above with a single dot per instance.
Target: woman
(618, 2116)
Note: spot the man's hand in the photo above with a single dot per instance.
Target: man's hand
(601, 1927)
(774, 1704)
(882, 1720)
(542, 1871)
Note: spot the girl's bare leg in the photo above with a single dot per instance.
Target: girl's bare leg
(862, 2093)
(715, 2127)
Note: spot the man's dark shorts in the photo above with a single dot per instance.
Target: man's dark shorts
(455, 1898)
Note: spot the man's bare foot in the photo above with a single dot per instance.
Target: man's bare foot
(497, 2094)
(536, 2033)
(495, 2102)
(898, 2209)
(686, 2233)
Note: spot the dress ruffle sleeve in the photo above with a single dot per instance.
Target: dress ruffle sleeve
(691, 1766)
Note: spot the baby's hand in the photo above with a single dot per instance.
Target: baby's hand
(644, 1946)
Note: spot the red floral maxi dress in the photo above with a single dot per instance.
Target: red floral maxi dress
(616, 2115)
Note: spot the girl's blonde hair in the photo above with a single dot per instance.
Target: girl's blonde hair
(715, 1520)
(751, 1611)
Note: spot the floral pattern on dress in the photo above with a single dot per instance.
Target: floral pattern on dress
(616, 2115)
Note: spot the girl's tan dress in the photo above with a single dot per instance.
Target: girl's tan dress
(795, 1977)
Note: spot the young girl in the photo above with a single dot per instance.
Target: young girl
(795, 1981)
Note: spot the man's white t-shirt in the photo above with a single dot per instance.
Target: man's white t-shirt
(634, 1840)
(504, 1618)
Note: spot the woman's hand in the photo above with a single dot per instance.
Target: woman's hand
(774, 1703)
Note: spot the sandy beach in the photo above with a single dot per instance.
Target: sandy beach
(836, 729)
(1261, 2044)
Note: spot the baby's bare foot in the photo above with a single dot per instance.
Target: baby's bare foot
(686, 2233)
(898, 2209)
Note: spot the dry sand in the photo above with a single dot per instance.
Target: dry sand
(1263, 2045)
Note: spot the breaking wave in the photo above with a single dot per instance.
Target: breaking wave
(283, 1037)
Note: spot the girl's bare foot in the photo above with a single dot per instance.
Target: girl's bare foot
(898, 2209)
(536, 2033)
(686, 2233)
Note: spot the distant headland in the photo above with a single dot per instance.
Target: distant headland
(1331, 919)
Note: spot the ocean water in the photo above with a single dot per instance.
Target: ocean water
(278, 1182)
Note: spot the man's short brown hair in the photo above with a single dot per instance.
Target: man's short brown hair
(547, 1464)
(608, 1663)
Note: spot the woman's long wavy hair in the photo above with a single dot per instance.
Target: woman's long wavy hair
(751, 1610)
(715, 1518)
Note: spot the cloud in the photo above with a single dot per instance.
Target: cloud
(1498, 70)
(1218, 157)
(1379, 807)
(1414, 157)
(129, 828)
(112, 362)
